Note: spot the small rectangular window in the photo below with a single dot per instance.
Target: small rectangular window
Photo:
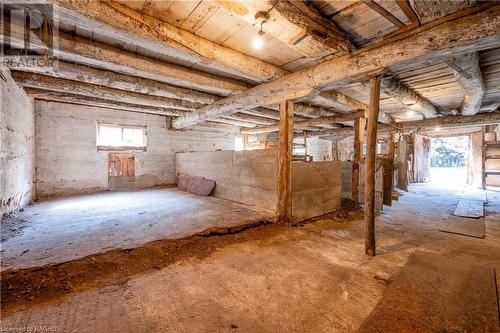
(120, 137)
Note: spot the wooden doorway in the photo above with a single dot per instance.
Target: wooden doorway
(121, 165)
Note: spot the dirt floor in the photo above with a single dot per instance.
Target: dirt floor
(62, 229)
(311, 278)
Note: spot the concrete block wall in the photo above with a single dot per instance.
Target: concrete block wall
(67, 160)
(250, 177)
(17, 132)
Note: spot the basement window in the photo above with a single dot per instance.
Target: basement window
(120, 137)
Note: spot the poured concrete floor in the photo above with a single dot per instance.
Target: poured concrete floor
(314, 278)
(63, 229)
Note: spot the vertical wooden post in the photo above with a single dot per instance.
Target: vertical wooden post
(371, 145)
(483, 159)
(284, 194)
(359, 128)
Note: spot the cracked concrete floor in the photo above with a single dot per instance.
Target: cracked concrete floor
(310, 279)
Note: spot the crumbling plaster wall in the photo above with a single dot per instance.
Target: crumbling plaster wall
(17, 132)
(67, 160)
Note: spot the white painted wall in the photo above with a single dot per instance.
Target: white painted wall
(67, 160)
(16, 146)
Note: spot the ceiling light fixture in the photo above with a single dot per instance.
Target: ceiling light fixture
(437, 129)
(260, 18)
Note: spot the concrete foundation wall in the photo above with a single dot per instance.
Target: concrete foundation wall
(17, 131)
(250, 177)
(68, 162)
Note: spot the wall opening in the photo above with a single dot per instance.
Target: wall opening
(449, 159)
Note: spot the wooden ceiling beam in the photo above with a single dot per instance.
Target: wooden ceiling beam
(100, 55)
(100, 77)
(430, 42)
(309, 123)
(448, 122)
(109, 18)
(29, 80)
(409, 98)
(329, 96)
(471, 80)
(55, 96)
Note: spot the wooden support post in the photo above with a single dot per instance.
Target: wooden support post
(389, 170)
(371, 145)
(284, 199)
(359, 128)
(483, 159)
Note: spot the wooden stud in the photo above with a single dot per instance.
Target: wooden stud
(359, 128)
(371, 145)
(284, 194)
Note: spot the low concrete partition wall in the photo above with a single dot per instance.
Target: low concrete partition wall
(316, 188)
(346, 179)
(244, 176)
(250, 177)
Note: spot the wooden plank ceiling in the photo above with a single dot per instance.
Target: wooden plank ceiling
(231, 24)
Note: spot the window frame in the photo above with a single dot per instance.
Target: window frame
(122, 127)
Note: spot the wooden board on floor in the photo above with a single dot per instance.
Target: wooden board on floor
(434, 293)
(463, 226)
(470, 208)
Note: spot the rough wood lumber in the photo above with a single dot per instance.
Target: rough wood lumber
(284, 188)
(89, 90)
(472, 83)
(55, 96)
(480, 119)
(359, 131)
(114, 80)
(309, 123)
(409, 98)
(99, 55)
(251, 119)
(75, 49)
(326, 97)
(409, 12)
(383, 12)
(430, 42)
(238, 123)
(110, 18)
(371, 152)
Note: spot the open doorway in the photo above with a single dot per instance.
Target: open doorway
(449, 160)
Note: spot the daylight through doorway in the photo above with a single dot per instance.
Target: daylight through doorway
(449, 158)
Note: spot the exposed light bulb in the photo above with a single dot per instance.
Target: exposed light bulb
(258, 42)
(410, 113)
(437, 129)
